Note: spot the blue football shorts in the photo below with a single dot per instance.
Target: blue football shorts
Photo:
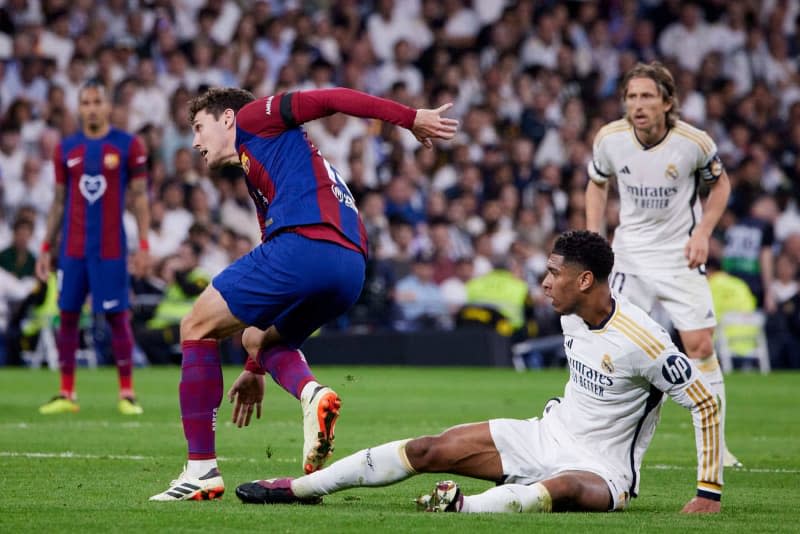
(292, 282)
(106, 280)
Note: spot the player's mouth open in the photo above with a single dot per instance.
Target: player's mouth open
(203, 153)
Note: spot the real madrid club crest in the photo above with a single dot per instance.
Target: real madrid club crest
(671, 172)
(111, 161)
(245, 163)
(606, 364)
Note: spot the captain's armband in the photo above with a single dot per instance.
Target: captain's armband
(710, 173)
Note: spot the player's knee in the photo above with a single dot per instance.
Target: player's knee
(426, 454)
(565, 491)
(417, 453)
(570, 488)
(699, 347)
(191, 328)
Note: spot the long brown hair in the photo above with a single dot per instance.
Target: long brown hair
(663, 79)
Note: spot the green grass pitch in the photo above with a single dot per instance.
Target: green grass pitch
(93, 471)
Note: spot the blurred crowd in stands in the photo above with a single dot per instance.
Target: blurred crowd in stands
(468, 222)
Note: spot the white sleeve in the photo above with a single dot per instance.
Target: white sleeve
(677, 376)
(600, 169)
(709, 164)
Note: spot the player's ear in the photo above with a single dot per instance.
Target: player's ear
(228, 117)
(585, 280)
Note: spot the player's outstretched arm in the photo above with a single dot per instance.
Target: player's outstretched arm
(701, 505)
(429, 124)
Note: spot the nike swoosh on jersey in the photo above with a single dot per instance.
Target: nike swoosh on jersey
(73, 161)
(108, 304)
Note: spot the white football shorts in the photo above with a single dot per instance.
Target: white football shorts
(531, 453)
(686, 297)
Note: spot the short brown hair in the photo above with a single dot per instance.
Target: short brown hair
(663, 79)
(218, 99)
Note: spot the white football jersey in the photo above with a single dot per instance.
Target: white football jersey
(618, 374)
(659, 205)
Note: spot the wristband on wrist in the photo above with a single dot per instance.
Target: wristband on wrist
(45, 246)
(144, 244)
(252, 365)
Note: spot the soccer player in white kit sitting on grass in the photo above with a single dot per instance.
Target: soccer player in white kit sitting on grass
(661, 244)
(586, 450)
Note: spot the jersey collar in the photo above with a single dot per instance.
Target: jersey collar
(654, 145)
(604, 322)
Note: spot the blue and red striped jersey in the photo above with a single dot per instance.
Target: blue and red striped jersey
(96, 174)
(291, 183)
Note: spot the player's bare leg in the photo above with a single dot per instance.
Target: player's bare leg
(463, 450)
(289, 369)
(470, 450)
(699, 346)
(200, 396)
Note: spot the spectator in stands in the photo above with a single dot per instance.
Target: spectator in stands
(419, 299)
(454, 288)
(747, 252)
(783, 327)
(185, 280)
(212, 259)
(18, 259)
(731, 294)
(12, 152)
(32, 190)
(503, 292)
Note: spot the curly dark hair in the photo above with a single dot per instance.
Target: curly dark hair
(587, 249)
(218, 99)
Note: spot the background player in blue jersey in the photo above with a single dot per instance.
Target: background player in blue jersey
(94, 168)
(308, 270)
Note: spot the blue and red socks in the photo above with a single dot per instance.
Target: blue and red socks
(200, 396)
(287, 367)
(122, 347)
(67, 344)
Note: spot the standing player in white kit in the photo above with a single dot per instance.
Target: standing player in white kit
(661, 244)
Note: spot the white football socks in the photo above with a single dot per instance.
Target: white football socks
(198, 468)
(378, 466)
(512, 498)
(712, 372)
(308, 389)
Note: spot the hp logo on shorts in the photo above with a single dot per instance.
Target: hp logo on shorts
(677, 369)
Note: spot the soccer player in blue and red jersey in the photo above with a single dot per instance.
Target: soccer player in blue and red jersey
(308, 270)
(94, 168)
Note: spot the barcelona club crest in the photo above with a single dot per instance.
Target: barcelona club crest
(671, 172)
(111, 161)
(245, 163)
